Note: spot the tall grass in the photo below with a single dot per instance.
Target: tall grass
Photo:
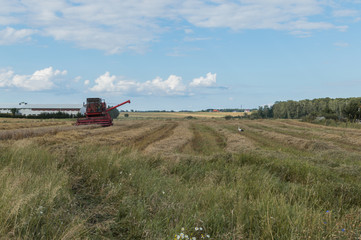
(93, 192)
(35, 199)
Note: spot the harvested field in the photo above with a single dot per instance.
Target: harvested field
(182, 115)
(153, 178)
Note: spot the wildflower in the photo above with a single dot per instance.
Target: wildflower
(343, 229)
(196, 228)
(182, 229)
(194, 238)
(208, 236)
(164, 193)
(41, 210)
(200, 228)
(327, 211)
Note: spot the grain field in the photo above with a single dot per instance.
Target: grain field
(164, 178)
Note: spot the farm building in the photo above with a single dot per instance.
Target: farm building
(35, 109)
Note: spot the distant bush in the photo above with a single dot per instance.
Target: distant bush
(58, 115)
(190, 117)
(126, 115)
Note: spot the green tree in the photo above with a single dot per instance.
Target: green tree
(352, 110)
(14, 111)
(114, 113)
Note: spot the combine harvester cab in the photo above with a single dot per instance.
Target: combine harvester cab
(97, 113)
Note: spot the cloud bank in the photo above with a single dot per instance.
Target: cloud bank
(131, 25)
(46, 79)
(38, 81)
(173, 85)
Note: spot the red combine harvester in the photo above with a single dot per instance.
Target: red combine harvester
(97, 113)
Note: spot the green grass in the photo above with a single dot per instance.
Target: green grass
(97, 193)
(205, 141)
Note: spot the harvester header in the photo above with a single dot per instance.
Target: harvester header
(97, 112)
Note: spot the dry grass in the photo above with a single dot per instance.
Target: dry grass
(180, 115)
(16, 123)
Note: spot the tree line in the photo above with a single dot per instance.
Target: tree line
(340, 109)
(15, 113)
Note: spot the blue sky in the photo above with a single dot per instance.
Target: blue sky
(176, 55)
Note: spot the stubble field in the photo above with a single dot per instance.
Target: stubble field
(157, 178)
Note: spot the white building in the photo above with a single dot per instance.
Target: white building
(35, 109)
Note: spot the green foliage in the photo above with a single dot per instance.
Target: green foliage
(336, 109)
(57, 115)
(114, 113)
(352, 110)
(14, 111)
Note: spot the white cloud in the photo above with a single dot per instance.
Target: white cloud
(208, 81)
(341, 44)
(5, 77)
(256, 14)
(188, 31)
(111, 83)
(130, 25)
(301, 34)
(86, 82)
(171, 86)
(345, 13)
(10, 35)
(104, 83)
(77, 79)
(38, 81)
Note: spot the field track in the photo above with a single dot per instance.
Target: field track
(190, 136)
